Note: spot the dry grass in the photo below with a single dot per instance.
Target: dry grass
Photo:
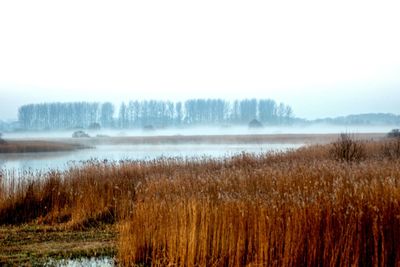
(79, 197)
(36, 146)
(273, 213)
(391, 148)
(33, 245)
(302, 208)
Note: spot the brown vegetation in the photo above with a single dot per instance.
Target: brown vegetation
(36, 146)
(347, 148)
(391, 148)
(300, 208)
(34, 245)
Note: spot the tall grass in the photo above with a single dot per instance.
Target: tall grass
(284, 214)
(303, 208)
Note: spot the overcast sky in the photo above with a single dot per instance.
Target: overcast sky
(322, 58)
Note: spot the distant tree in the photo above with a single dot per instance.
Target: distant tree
(395, 133)
(151, 112)
(281, 112)
(106, 114)
(94, 126)
(235, 112)
(130, 111)
(26, 116)
(288, 114)
(267, 110)
(178, 113)
(93, 112)
(248, 110)
(123, 116)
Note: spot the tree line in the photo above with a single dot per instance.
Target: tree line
(154, 113)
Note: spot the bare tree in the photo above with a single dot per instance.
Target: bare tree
(395, 133)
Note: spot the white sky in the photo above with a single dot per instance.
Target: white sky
(323, 58)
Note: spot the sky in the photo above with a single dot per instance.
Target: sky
(324, 58)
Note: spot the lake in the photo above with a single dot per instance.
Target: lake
(62, 160)
(116, 152)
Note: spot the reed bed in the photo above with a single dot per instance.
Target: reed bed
(304, 208)
(285, 214)
(37, 146)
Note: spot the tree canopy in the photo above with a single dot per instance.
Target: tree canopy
(159, 114)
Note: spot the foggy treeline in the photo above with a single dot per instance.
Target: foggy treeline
(152, 113)
(363, 119)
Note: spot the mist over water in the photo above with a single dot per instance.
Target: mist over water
(234, 130)
(45, 161)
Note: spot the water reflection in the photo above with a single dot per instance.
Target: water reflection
(92, 262)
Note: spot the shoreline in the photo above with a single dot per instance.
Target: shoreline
(36, 146)
(79, 143)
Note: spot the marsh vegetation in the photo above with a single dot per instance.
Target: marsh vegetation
(300, 207)
(34, 146)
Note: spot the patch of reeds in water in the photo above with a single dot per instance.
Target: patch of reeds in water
(36, 146)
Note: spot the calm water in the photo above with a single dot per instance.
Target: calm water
(92, 262)
(62, 160)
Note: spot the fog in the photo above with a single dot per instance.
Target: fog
(103, 148)
(195, 131)
(323, 59)
(312, 59)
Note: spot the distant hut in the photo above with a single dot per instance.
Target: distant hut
(255, 124)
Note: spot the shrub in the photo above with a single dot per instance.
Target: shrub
(255, 124)
(395, 133)
(94, 126)
(391, 148)
(346, 148)
(148, 128)
(80, 134)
